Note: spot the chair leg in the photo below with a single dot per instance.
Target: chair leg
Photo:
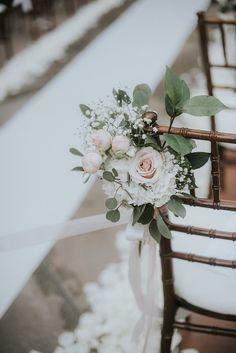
(222, 172)
(169, 297)
(167, 329)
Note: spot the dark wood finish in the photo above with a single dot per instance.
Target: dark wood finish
(171, 301)
(203, 24)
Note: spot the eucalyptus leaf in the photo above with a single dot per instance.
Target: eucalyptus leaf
(111, 203)
(203, 106)
(141, 95)
(114, 171)
(76, 152)
(198, 159)
(179, 144)
(113, 215)
(170, 108)
(185, 92)
(137, 212)
(163, 228)
(85, 110)
(147, 214)
(173, 86)
(108, 176)
(153, 230)
(176, 207)
(78, 169)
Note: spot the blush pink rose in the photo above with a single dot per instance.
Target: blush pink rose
(146, 166)
(91, 162)
(102, 140)
(120, 144)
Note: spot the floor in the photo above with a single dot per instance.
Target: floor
(53, 299)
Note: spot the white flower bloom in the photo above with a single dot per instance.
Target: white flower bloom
(102, 140)
(146, 166)
(120, 144)
(91, 162)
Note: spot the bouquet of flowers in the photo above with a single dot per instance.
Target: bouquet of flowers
(141, 169)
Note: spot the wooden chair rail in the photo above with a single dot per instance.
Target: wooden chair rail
(218, 21)
(223, 66)
(180, 302)
(209, 203)
(212, 330)
(200, 259)
(213, 136)
(204, 232)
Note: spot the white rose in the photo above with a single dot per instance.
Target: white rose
(102, 140)
(120, 144)
(91, 162)
(146, 166)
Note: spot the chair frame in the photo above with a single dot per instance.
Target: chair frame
(172, 302)
(204, 23)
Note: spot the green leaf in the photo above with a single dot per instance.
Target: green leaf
(111, 203)
(85, 110)
(76, 152)
(173, 86)
(146, 215)
(185, 92)
(141, 95)
(79, 169)
(114, 171)
(176, 207)
(153, 230)
(113, 216)
(203, 106)
(170, 108)
(108, 176)
(162, 227)
(137, 212)
(179, 144)
(121, 96)
(198, 159)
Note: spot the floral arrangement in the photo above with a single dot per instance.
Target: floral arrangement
(141, 169)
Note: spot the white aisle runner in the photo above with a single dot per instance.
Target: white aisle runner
(36, 185)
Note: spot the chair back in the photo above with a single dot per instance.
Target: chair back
(215, 201)
(226, 28)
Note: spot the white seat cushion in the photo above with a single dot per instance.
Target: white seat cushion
(212, 288)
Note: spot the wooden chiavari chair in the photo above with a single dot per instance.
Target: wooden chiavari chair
(176, 297)
(228, 64)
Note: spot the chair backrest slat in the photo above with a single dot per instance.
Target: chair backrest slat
(204, 232)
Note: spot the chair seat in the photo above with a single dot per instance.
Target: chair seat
(212, 288)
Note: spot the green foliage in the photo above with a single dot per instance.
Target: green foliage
(85, 110)
(203, 106)
(175, 206)
(153, 230)
(76, 152)
(179, 144)
(78, 169)
(111, 203)
(177, 93)
(147, 215)
(141, 95)
(163, 228)
(121, 96)
(113, 215)
(137, 212)
(170, 108)
(198, 159)
(108, 176)
(114, 171)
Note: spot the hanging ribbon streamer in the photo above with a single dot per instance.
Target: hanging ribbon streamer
(143, 278)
